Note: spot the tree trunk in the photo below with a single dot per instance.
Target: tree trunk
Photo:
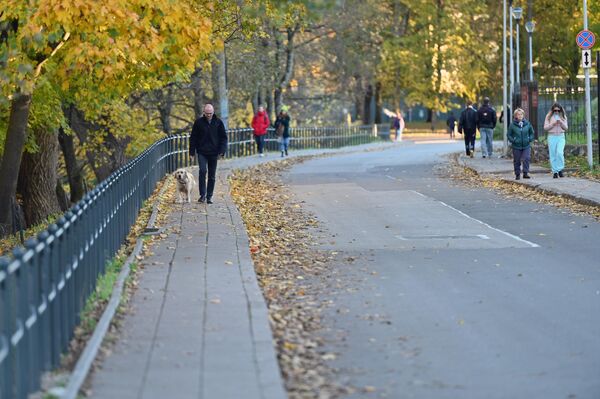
(165, 107)
(366, 117)
(277, 99)
(104, 159)
(11, 159)
(270, 103)
(198, 91)
(429, 115)
(73, 166)
(37, 179)
(256, 99)
(61, 195)
(220, 88)
(378, 104)
(286, 76)
(110, 157)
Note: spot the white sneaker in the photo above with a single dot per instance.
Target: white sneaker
(261, 155)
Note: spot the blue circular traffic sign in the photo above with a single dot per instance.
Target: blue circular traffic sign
(586, 39)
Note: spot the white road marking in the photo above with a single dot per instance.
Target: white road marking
(531, 244)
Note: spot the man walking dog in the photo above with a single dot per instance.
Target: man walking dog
(209, 142)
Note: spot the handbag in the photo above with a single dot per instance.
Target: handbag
(279, 130)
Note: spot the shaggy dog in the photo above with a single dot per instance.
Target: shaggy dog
(185, 184)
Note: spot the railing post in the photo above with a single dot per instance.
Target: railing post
(7, 378)
(19, 337)
(54, 308)
(44, 309)
(30, 267)
(62, 259)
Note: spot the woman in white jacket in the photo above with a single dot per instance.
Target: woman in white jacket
(556, 125)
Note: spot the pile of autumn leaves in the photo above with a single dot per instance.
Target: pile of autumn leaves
(291, 273)
(515, 190)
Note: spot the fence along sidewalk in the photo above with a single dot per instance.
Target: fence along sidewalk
(45, 285)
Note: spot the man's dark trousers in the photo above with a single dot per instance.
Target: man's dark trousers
(207, 163)
(470, 140)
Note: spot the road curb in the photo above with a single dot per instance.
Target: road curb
(269, 372)
(536, 187)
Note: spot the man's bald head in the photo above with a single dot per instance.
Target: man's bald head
(209, 111)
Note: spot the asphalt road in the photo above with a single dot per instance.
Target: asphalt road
(444, 291)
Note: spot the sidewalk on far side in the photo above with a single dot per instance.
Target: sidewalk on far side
(584, 191)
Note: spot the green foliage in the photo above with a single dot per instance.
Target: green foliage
(45, 116)
(9, 242)
(439, 55)
(123, 121)
(101, 295)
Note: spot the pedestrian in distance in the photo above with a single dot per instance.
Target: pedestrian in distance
(208, 142)
(260, 124)
(556, 125)
(467, 126)
(282, 130)
(398, 125)
(451, 123)
(520, 135)
(501, 119)
(486, 122)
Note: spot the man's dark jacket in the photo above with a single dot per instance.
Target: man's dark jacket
(208, 138)
(486, 117)
(468, 121)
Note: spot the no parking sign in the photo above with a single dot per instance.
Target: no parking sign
(586, 39)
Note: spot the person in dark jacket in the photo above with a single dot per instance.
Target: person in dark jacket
(468, 124)
(208, 141)
(282, 129)
(520, 135)
(486, 122)
(451, 123)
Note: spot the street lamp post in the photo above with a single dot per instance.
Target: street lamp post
(517, 14)
(530, 27)
(506, 116)
(511, 56)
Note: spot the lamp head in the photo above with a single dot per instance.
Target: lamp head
(530, 26)
(517, 13)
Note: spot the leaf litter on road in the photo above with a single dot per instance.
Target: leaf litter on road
(510, 189)
(289, 270)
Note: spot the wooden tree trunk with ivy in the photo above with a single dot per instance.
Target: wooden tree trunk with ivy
(11, 160)
(37, 179)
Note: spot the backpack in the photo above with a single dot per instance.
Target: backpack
(485, 116)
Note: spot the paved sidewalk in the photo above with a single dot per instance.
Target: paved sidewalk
(581, 190)
(198, 325)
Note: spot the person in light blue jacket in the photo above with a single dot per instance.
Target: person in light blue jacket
(556, 125)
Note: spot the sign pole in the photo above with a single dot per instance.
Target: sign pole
(598, 95)
(506, 117)
(588, 103)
